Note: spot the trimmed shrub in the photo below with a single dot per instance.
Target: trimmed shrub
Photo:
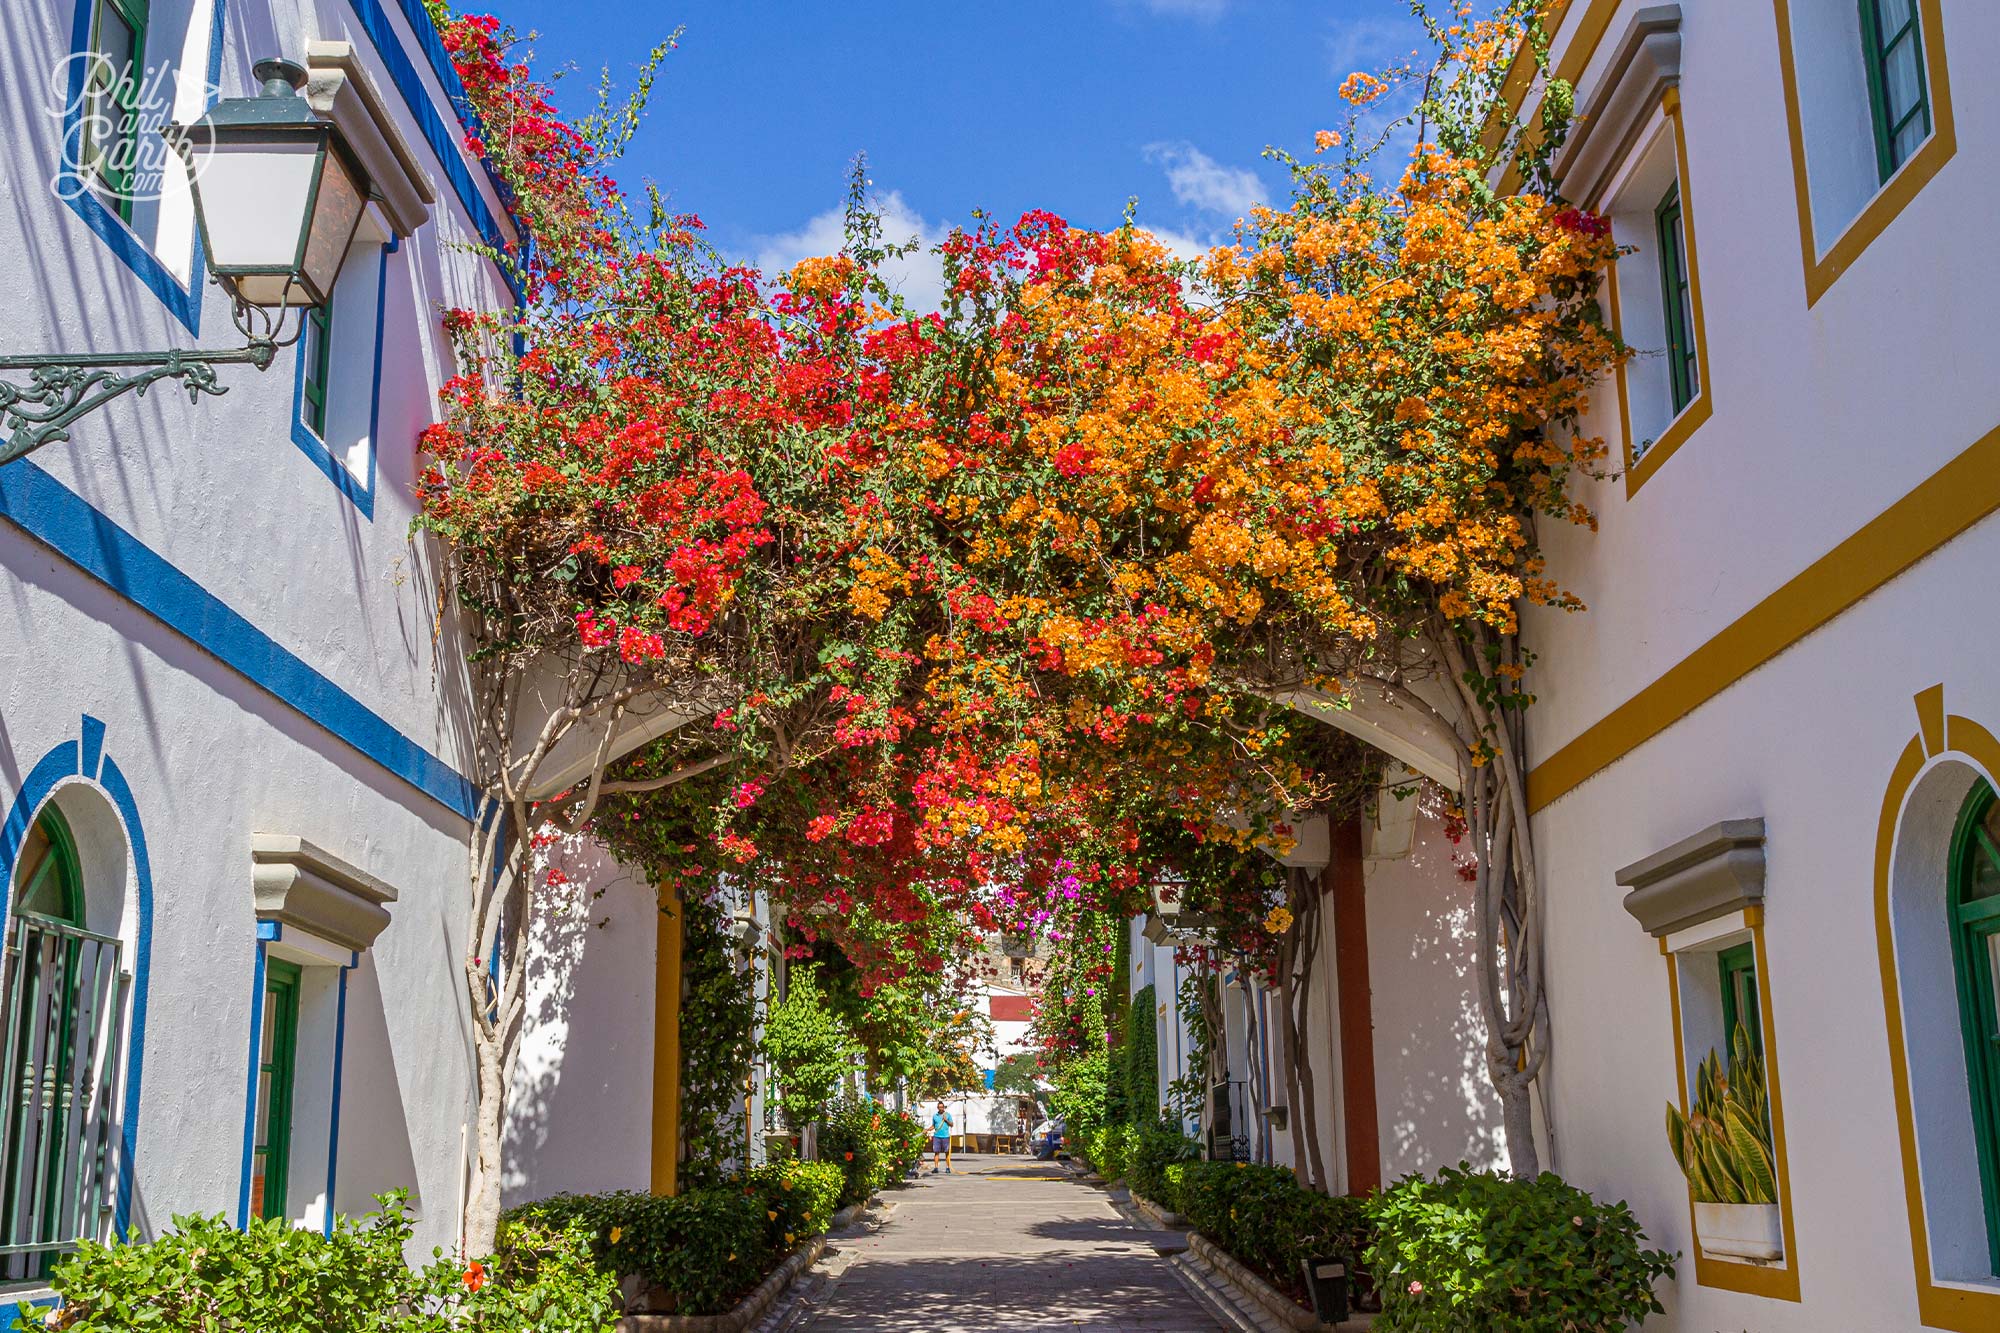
(207, 1274)
(1152, 1150)
(696, 1252)
(1268, 1221)
(799, 1198)
(1474, 1250)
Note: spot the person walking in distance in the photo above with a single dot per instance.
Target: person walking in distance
(941, 1139)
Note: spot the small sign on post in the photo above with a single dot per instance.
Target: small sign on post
(1326, 1280)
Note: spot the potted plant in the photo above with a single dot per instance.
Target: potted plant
(1724, 1150)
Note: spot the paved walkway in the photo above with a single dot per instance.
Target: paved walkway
(1005, 1243)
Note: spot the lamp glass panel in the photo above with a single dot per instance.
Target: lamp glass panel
(336, 214)
(253, 199)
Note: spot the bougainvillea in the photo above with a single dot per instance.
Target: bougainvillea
(956, 606)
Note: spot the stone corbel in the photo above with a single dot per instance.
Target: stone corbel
(1645, 62)
(339, 89)
(297, 884)
(1717, 872)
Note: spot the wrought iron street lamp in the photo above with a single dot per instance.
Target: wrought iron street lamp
(278, 196)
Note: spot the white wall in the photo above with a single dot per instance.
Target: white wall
(219, 732)
(581, 1116)
(1435, 1105)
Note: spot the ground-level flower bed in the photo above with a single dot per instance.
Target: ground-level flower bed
(1464, 1250)
(205, 1273)
(702, 1251)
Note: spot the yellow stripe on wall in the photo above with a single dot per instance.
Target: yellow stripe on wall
(667, 1050)
(1958, 495)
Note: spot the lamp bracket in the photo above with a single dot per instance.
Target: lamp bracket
(62, 388)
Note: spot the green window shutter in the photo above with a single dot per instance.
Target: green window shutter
(63, 997)
(118, 33)
(1740, 1003)
(272, 1157)
(1975, 939)
(1677, 297)
(318, 367)
(1899, 98)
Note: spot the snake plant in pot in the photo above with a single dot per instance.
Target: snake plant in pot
(1724, 1149)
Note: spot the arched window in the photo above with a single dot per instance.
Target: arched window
(1975, 941)
(58, 1047)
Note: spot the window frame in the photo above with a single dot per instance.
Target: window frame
(316, 370)
(1736, 968)
(1875, 56)
(1971, 924)
(1677, 297)
(136, 15)
(282, 1023)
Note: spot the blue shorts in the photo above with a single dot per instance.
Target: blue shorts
(939, 1143)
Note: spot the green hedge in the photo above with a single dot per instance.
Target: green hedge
(1151, 1151)
(1106, 1148)
(703, 1249)
(1267, 1220)
(1473, 1250)
(207, 1275)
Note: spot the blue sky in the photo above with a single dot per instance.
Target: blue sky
(1070, 105)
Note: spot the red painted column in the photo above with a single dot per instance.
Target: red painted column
(1346, 886)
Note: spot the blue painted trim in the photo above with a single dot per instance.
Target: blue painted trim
(269, 932)
(445, 144)
(59, 518)
(250, 1099)
(183, 302)
(65, 761)
(360, 491)
(93, 748)
(339, 1060)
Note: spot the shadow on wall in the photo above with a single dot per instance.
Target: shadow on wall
(375, 1152)
(1435, 1103)
(581, 1117)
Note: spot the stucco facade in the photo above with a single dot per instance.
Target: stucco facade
(220, 633)
(1774, 602)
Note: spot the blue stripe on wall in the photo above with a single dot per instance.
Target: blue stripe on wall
(59, 518)
(250, 1107)
(443, 141)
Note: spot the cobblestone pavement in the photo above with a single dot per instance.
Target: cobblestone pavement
(1005, 1243)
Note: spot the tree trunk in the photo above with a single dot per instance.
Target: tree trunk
(482, 1204)
(1305, 921)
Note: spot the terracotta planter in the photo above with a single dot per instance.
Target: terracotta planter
(1752, 1231)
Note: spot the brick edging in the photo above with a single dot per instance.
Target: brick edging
(748, 1311)
(1211, 1257)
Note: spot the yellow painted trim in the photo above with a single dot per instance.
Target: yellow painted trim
(1576, 57)
(1521, 72)
(1702, 405)
(1930, 718)
(1957, 1308)
(667, 1050)
(1772, 1281)
(1942, 506)
(1822, 271)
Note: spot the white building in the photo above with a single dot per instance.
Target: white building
(1764, 758)
(231, 754)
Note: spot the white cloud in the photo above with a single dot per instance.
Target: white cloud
(1199, 181)
(919, 277)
